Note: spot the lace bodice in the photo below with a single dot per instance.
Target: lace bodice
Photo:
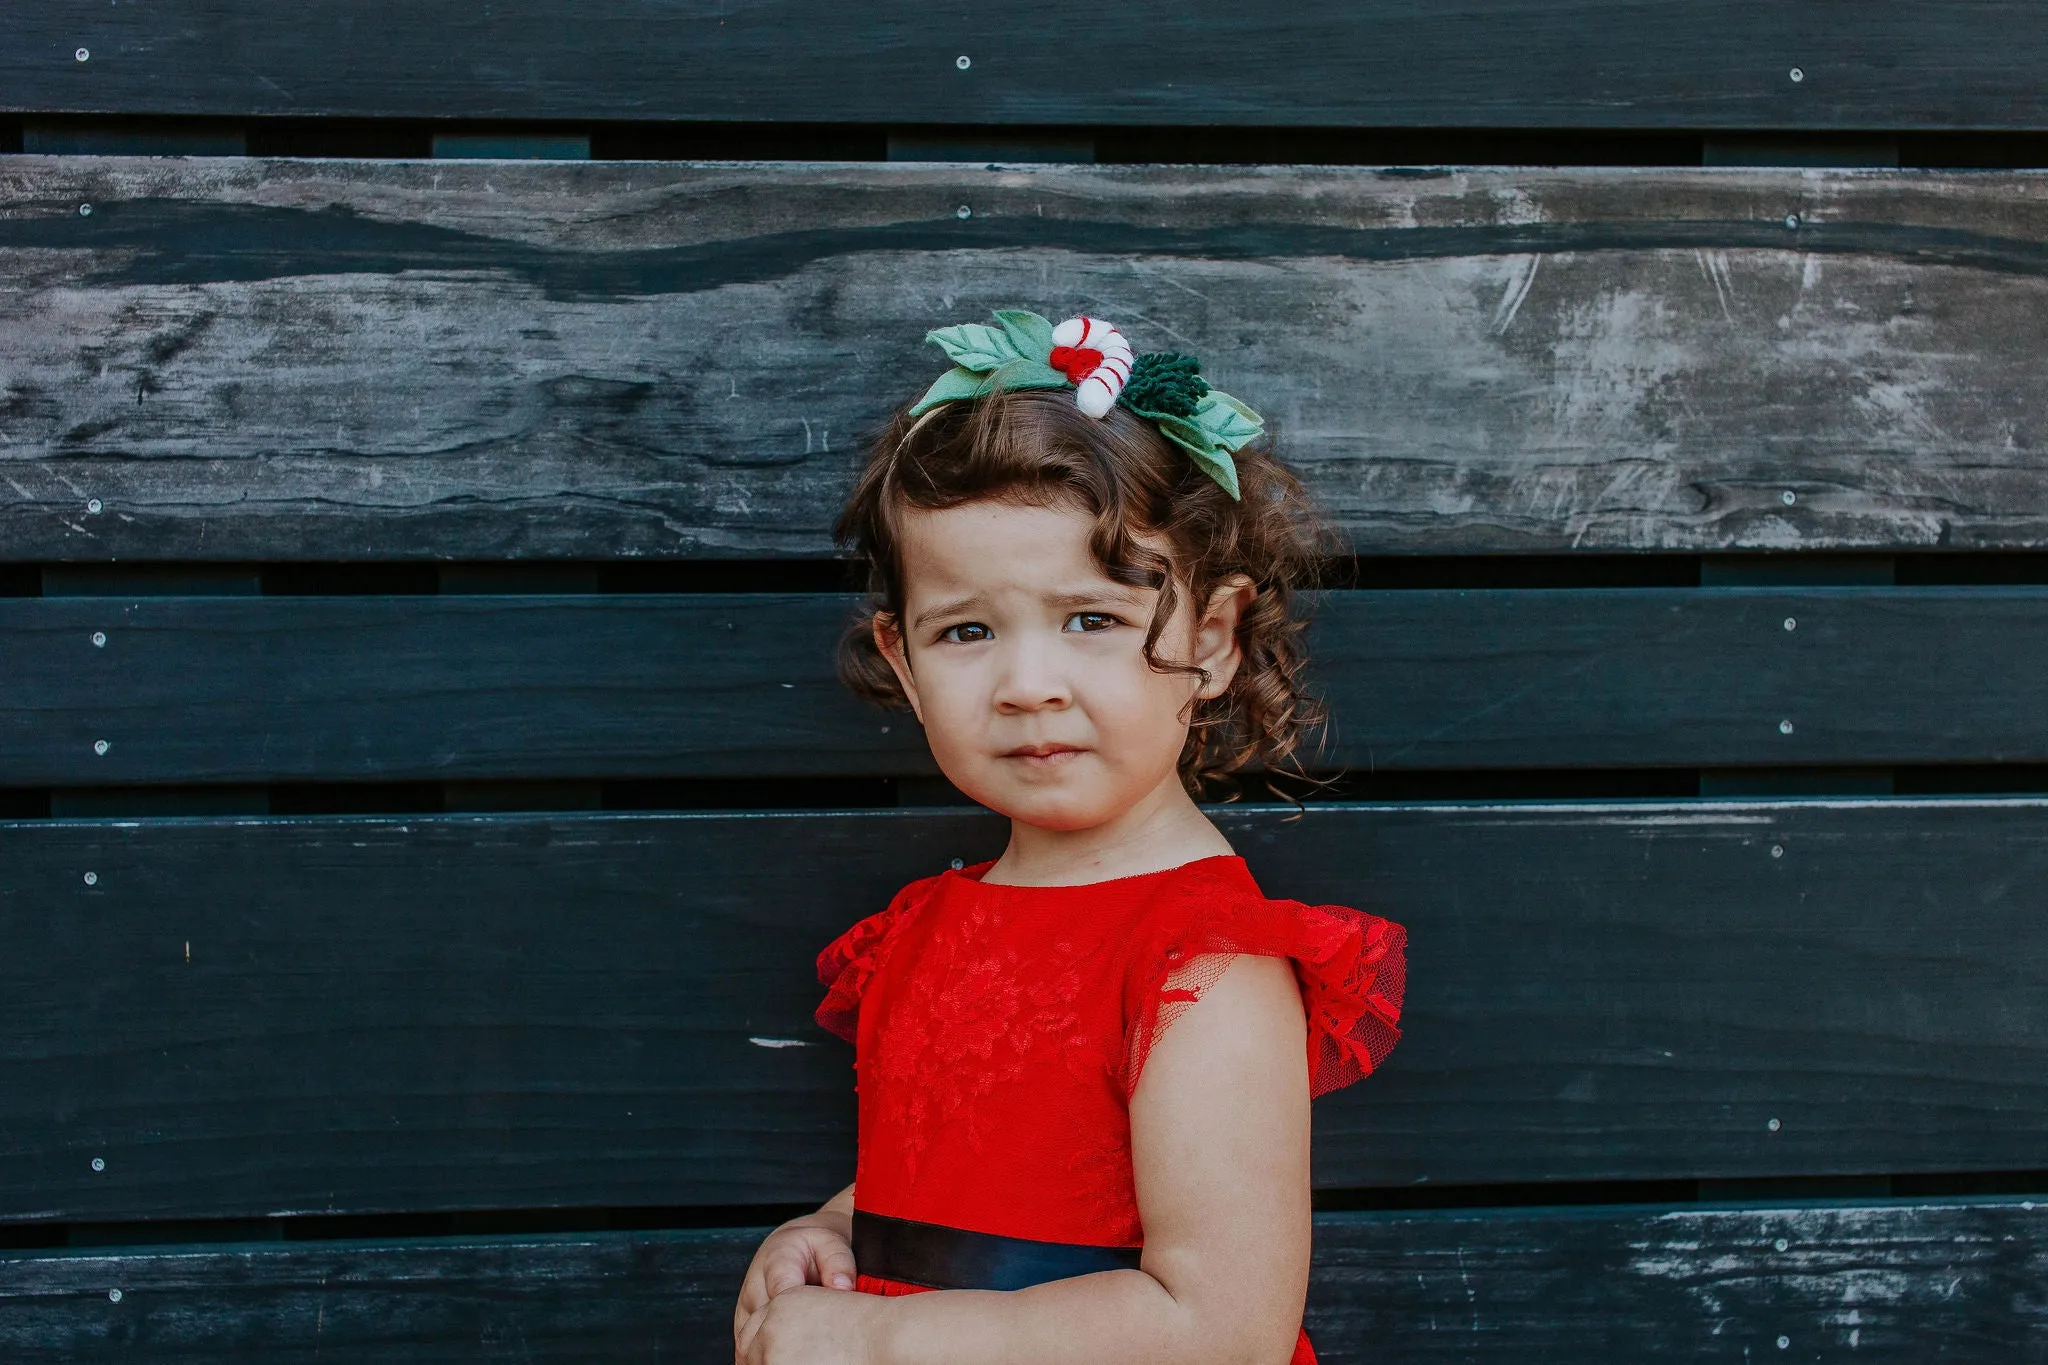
(1000, 1031)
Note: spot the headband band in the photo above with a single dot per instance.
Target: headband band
(1024, 351)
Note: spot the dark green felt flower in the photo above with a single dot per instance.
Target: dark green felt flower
(1165, 381)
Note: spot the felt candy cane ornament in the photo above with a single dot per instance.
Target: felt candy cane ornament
(1096, 359)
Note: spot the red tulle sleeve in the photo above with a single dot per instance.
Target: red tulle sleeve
(1352, 967)
(849, 961)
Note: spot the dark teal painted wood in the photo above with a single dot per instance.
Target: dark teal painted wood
(435, 687)
(495, 687)
(525, 1011)
(1390, 63)
(1891, 1283)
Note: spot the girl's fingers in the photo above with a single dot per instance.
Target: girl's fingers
(753, 1293)
(743, 1345)
(785, 1267)
(835, 1263)
(752, 1296)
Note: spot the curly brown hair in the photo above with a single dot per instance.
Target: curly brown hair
(1035, 447)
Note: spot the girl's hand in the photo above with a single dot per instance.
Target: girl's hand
(811, 1250)
(811, 1326)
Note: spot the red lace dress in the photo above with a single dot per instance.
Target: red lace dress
(1000, 1030)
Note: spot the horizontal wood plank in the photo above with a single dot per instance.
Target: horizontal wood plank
(399, 360)
(1882, 1282)
(256, 689)
(244, 1017)
(1390, 63)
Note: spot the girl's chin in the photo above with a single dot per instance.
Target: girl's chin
(1061, 812)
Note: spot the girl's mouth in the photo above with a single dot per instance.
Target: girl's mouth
(1044, 755)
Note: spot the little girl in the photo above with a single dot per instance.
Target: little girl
(1085, 1068)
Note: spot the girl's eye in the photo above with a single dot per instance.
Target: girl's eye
(1090, 620)
(966, 633)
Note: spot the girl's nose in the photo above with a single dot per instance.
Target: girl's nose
(1031, 681)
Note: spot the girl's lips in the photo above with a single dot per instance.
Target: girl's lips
(1044, 755)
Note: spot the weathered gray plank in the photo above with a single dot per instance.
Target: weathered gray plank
(255, 689)
(243, 1017)
(1883, 1282)
(277, 360)
(1887, 1282)
(1390, 63)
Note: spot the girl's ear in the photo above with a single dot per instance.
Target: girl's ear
(889, 641)
(1217, 652)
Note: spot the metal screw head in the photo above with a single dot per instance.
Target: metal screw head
(1791, 623)
(92, 879)
(1773, 1125)
(85, 210)
(1784, 727)
(83, 55)
(1797, 75)
(100, 747)
(1781, 1245)
(1777, 850)
(113, 1296)
(1788, 497)
(92, 505)
(963, 61)
(1791, 220)
(963, 212)
(959, 863)
(99, 1163)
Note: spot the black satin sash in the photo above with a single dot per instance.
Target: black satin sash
(940, 1257)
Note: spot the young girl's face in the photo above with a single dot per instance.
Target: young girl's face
(1025, 663)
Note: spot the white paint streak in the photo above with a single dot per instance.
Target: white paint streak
(1714, 265)
(1511, 298)
(778, 1042)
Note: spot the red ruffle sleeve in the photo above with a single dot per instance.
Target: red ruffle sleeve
(849, 961)
(1352, 967)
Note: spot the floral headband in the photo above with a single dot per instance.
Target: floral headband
(1024, 351)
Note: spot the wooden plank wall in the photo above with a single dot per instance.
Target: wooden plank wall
(422, 784)
(613, 1009)
(1950, 1280)
(565, 686)
(1638, 360)
(1388, 63)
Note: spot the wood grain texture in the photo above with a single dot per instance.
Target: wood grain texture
(1390, 63)
(264, 689)
(1883, 1282)
(1888, 1282)
(304, 360)
(244, 1017)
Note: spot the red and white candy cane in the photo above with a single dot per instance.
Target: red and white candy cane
(1095, 358)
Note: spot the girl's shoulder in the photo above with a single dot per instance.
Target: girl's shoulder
(1351, 965)
(847, 962)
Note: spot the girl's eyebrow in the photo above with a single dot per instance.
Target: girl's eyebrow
(1087, 597)
(942, 609)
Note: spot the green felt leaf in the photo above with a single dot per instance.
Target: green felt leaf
(1201, 447)
(954, 383)
(1228, 422)
(1028, 332)
(976, 345)
(1032, 374)
(960, 382)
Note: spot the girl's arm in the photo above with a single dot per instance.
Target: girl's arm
(1220, 1141)
(814, 1249)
